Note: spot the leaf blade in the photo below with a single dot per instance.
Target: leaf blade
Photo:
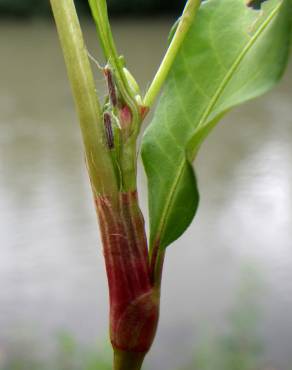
(204, 83)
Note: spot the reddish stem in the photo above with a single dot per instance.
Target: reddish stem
(134, 303)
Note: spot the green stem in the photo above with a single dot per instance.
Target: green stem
(186, 21)
(128, 360)
(127, 160)
(98, 159)
(156, 257)
(100, 15)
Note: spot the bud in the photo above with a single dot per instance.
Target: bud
(132, 82)
(125, 117)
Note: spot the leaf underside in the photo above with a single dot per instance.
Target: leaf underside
(231, 54)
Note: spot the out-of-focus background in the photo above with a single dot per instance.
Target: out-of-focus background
(227, 289)
(30, 8)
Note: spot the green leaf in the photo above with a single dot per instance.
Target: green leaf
(231, 54)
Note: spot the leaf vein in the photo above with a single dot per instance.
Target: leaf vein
(206, 113)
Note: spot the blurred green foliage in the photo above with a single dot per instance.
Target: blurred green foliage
(226, 352)
(70, 356)
(238, 347)
(27, 8)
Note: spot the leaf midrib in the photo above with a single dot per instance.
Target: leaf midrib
(207, 112)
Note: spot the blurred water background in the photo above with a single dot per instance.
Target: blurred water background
(227, 289)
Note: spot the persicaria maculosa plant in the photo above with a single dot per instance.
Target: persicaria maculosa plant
(220, 53)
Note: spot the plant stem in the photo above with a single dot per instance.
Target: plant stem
(134, 297)
(98, 159)
(134, 305)
(128, 361)
(100, 15)
(156, 258)
(128, 102)
(186, 20)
